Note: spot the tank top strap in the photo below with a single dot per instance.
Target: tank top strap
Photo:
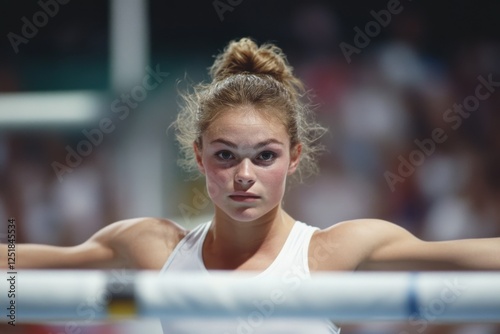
(301, 242)
(294, 253)
(187, 254)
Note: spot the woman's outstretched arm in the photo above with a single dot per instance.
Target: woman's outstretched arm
(125, 244)
(372, 244)
(396, 248)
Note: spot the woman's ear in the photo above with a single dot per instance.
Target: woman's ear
(294, 158)
(199, 160)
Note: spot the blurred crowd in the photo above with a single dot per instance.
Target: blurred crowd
(379, 108)
(382, 157)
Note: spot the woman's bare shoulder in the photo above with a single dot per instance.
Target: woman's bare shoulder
(145, 229)
(145, 225)
(344, 245)
(144, 242)
(360, 227)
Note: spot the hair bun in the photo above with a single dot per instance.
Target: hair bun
(245, 56)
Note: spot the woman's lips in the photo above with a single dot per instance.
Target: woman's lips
(244, 197)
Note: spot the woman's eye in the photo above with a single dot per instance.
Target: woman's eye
(267, 156)
(224, 155)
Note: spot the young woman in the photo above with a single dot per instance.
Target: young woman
(248, 132)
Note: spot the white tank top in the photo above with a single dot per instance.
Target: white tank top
(291, 264)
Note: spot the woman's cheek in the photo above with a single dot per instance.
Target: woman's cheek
(277, 175)
(216, 183)
(275, 181)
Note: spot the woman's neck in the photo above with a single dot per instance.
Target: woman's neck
(231, 244)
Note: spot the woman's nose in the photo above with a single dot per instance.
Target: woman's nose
(244, 173)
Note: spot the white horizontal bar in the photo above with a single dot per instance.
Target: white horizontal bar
(342, 297)
(72, 107)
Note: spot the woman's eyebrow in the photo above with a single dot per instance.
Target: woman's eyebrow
(225, 142)
(267, 142)
(257, 146)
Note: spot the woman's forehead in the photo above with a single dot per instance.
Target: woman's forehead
(249, 128)
(250, 115)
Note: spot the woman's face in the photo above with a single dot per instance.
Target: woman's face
(246, 159)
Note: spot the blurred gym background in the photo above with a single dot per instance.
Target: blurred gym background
(88, 90)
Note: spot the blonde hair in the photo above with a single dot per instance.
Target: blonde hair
(259, 76)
